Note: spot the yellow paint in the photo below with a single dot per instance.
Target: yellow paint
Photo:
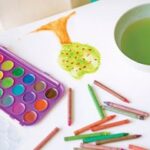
(1, 75)
(7, 65)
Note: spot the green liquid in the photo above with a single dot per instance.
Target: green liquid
(135, 42)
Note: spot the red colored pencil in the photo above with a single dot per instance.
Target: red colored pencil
(70, 113)
(104, 87)
(98, 147)
(133, 147)
(88, 127)
(46, 139)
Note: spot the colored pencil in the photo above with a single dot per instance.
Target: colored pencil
(110, 125)
(128, 137)
(114, 93)
(128, 109)
(76, 148)
(134, 147)
(70, 111)
(97, 147)
(78, 137)
(106, 137)
(88, 127)
(119, 111)
(96, 102)
(46, 139)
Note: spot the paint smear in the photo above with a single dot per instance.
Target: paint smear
(79, 59)
(76, 58)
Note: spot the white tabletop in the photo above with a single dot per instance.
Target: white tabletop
(93, 24)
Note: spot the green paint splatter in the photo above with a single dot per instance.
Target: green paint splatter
(79, 59)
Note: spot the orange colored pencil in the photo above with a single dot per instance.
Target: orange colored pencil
(70, 113)
(109, 125)
(114, 93)
(46, 139)
(88, 127)
(133, 147)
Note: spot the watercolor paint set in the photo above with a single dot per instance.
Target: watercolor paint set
(26, 93)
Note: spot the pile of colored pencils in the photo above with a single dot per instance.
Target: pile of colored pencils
(98, 139)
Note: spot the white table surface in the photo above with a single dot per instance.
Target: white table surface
(93, 24)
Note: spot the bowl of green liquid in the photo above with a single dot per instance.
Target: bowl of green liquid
(132, 35)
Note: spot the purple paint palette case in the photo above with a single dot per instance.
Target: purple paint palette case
(26, 93)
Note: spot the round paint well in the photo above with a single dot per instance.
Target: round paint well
(132, 33)
(29, 79)
(1, 58)
(7, 82)
(18, 108)
(39, 86)
(18, 89)
(51, 93)
(29, 97)
(1, 75)
(30, 116)
(18, 72)
(7, 65)
(7, 101)
(1, 92)
(41, 105)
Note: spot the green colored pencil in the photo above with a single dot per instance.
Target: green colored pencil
(78, 137)
(101, 137)
(96, 102)
(119, 111)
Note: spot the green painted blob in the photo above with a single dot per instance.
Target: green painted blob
(18, 72)
(135, 42)
(7, 82)
(79, 59)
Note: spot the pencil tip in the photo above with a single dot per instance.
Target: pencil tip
(107, 103)
(113, 116)
(142, 117)
(125, 134)
(138, 135)
(126, 100)
(69, 123)
(57, 128)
